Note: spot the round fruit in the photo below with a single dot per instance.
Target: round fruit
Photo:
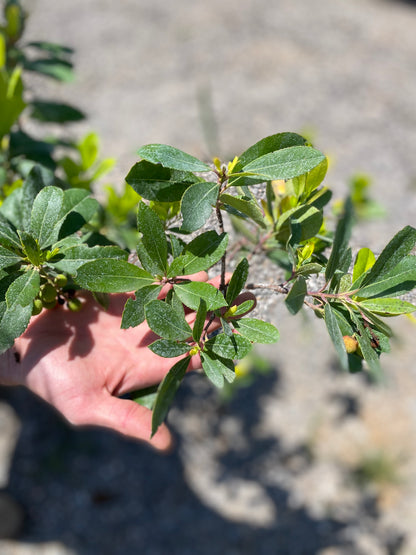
(48, 293)
(37, 307)
(49, 304)
(350, 343)
(61, 280)
(75, 305)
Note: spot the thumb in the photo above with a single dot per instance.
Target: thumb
(130, 419)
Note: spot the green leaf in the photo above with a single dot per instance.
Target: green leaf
(197, 203)
(167, 390)
(154, 182)
(77, 256)
(89, 148)
(303, 221)
(363, 262)
(399, 247)
(307, 269)
(388, 307)
(315, 177)
(112, 276)
(11, 100)
(166, 321)
(12, 208)
(57, 69)
(39, 177)
(77, 209)
(285, 163)
(341, 240)
(248, 207)
(237, 281)
(52, 48)
(200, 254)
(23, 289)
(145, 397)
(171, 157)
(296, 296)
(8, 236)
(398, 281)
(45, 214)
(153, 238)
(369, 354)
(30, 247)
(225, 346)
(335, 334)
(54, 112)
(199, 323)
(8, 258)
(191, 293)
(243, 308)
(256, 330)
(134, 309)
(13, 322)
(169, 349)
(216, 369)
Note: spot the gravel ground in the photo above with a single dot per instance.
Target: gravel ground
(304, 459)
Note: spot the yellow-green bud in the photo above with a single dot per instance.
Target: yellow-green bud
(74, 304)
(231, 311)
(37, 307)
(49, 304)
(61, 280)
(194, 351)
(48, 293)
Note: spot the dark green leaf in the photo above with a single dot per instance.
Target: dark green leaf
(30, 247)
(8, 258)
(45, 215)
(214, 369)
(166, 322)
(112, 276)
(12, 208)
(296, 296)
(154, 182)
(75, 257)
(77, 209)
(229, 347)
(199, 323)
(169, 349)
(13, 323)
(171, 157)
(191, 293)
(52, 48)
(23, 289)
(8, 236)
(398, 281)
(256, 330)
(145, 397)
(55, 112)
(237, 281)
(399, 247)
(248, 207)
(200, 254)
(341, 240)
(134, 309)
(335, 334)
(153, 238)
(369, 354)
(197, 203)
(307, 220)
(166, 392)
(285, 163)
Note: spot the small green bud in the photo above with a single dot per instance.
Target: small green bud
(194, 351)
(61, 280)
(37, 307)
(48, 293)
(74, 304)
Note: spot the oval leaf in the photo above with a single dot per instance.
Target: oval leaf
(197, 204)
(257, 330)
(112, 276)
(171, 157)
(191, 293)
(166, 321)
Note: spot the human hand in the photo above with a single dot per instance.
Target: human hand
(82, 362)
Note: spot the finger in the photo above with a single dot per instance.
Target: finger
(130, 419)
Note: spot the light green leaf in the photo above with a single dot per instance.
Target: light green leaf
(216, 369)
(45, 214)
(296, 296)
(23, 289)
(256, 330)
(167, 390)
(77, 209)
(200, 254)
(243, 308)
(169, 349)
(285, 163)
(134, 309)
(166, 321)
(197, 203)
(191, 293)
(388, 307)
(153, 239)
(363, 262)
(8, 236)
(171, 157)
(307, 269)
(145, 397)
(229, 347)
(39, 177)
(335, 334)
(112, 276)
(304, 221)
(76, 256)
(248, 207)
